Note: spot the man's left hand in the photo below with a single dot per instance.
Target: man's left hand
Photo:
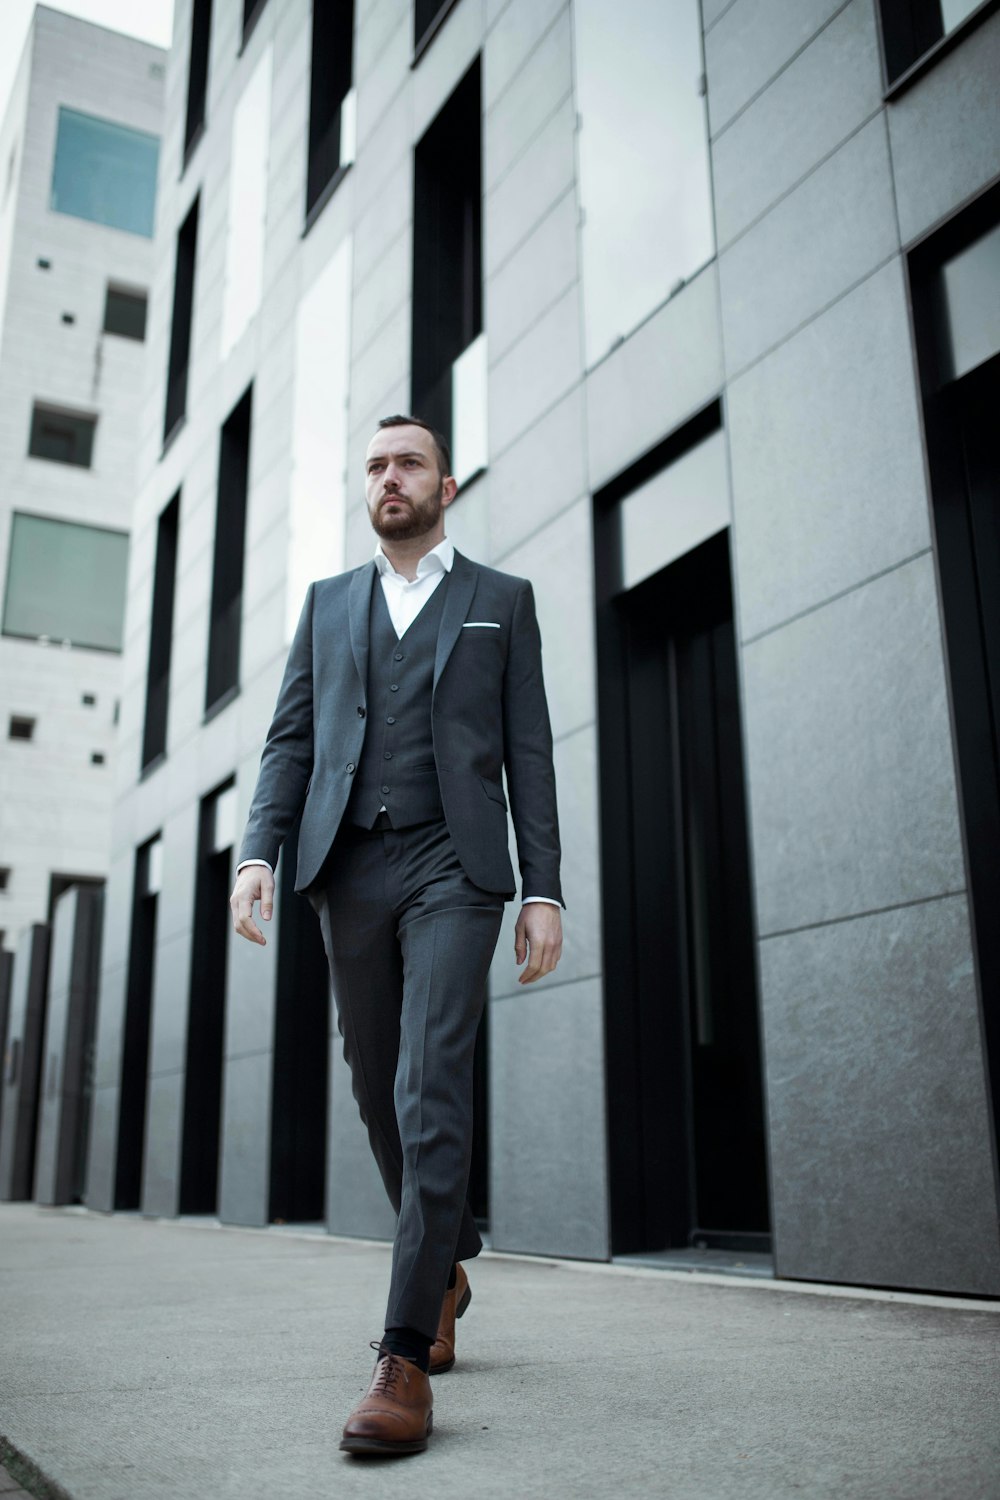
(538, 938)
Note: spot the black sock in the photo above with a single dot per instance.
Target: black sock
(410, 1344)
(452, 1277)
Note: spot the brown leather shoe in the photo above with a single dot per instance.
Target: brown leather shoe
(455, 1302)
(394, 1414)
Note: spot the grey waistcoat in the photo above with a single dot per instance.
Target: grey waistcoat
(397, 769)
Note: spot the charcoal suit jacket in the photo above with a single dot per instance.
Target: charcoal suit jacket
(489, 716)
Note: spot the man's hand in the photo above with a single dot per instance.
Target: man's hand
(538, 933)
(253, 883)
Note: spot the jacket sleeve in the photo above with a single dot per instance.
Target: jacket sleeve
(287, 760)
(531, 782)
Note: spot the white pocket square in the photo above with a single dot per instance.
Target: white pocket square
(481, 625)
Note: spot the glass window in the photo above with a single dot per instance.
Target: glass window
(675, 511)
(105, 172)
(64, 437)
(66, 582)
(644, 170)
(247, 204)
(125, 313)
(20, 728)
(971, 286)
(910, 28)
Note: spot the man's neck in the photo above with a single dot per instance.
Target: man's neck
(405, 555)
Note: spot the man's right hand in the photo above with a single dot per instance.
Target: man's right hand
(253, 883)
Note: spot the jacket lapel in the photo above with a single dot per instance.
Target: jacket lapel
(461, 588)
(358, 606)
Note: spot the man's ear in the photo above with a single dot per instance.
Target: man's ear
(449, 489)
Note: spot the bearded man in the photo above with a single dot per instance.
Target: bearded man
(413, 683)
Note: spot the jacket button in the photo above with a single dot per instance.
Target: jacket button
(385, 790)
(397, 656)
(350, 766)
(390, 720)
(394, 687)
(361, 713)
(388, 755)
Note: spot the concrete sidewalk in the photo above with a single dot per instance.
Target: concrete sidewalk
(143, 1359)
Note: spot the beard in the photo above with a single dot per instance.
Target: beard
(420, 517)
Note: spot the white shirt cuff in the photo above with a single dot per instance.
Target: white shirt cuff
(526, 900)
(245, 862)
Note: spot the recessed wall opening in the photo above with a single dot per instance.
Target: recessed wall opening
(449, 347)
(199, 1181)
(154, 739)
(180, 325)
(331, 100)
(955, 286)
(201, 36)
(63, 437)
(227, 576)
(146, 889)
(125, 313)
(684, 1083)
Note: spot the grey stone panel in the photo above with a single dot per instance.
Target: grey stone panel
(175, 903)
(511, 41)
(25, 1026)
(251, 975)
(539, 475)
(751, 43)
(575, 759)
(468, 520)
(827, 469)
(244, 1162)
(945, 132)
(67, 1079)
(383, 292)
(533, 278)
(356, 1201)
(830, 89)
(548, 1188)
(110, 1024)
(539, 177)
(558, 560)
(544, 82)
(712, 11)
(102, 1150)
(536, 373)
(879, 1123)
(851, 773)
(171, 999)
(664, 372)
(828, 233)
(161, 1167)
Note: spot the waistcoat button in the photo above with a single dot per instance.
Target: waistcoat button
(385, 789)
(388, 755)
(398, 656)
(350, 766)
(390, 720)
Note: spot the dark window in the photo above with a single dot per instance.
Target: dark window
(447, 250)
(180, 329)
(201, 32)
(330, 111)
(4, 877)
(43, 263)
(154, 741)
(63, 437)
(125, 313)
(251, 15)
(69, 318)
(88, 700)
(65, 582)
(428, 18)
(913, 28)
(227, 577)
(20, 728)
(97, 757)
(955, 283)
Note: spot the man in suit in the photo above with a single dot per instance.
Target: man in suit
(412, 684)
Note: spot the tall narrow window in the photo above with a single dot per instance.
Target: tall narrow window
(910, 28)
(227, 577)
(207, 1005)
(201, 32)
(448, 354)
(154, 741)
(138, 1011)
(180, 330)
(331, 100)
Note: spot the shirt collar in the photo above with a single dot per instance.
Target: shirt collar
(438, 560)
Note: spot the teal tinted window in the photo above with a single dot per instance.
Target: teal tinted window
(66, 582)
(105, 172)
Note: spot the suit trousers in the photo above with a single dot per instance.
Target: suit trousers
(409, 940)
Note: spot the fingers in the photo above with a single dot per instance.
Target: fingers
(538, 938)
(520, 941)
(253, 883)
(544, 957)
(266, 894)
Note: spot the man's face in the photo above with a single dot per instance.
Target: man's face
(404, 489)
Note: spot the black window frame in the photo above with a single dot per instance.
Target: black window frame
(331, 78)
(222, 668)
(912, 39)
(198, 64)
(80, 425)
(161, 632)
(122, 296)
(181, 322)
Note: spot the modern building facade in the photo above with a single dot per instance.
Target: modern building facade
(705, 297)
(78, 148)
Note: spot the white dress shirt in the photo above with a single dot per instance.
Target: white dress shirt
(405, 598)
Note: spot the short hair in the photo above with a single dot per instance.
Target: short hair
(440, 442)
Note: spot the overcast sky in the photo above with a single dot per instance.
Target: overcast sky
(152, 20)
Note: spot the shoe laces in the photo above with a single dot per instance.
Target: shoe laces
(388, 1369)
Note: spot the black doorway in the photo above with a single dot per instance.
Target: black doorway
(685, 1098)
(301, 1056)
(138, 1012)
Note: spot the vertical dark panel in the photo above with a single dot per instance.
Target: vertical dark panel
(180, 327)
(135, 1037)
(330, 83)
(154, 740)
(909, 29)
(201, 34)
(447, 248)
(230, 530)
